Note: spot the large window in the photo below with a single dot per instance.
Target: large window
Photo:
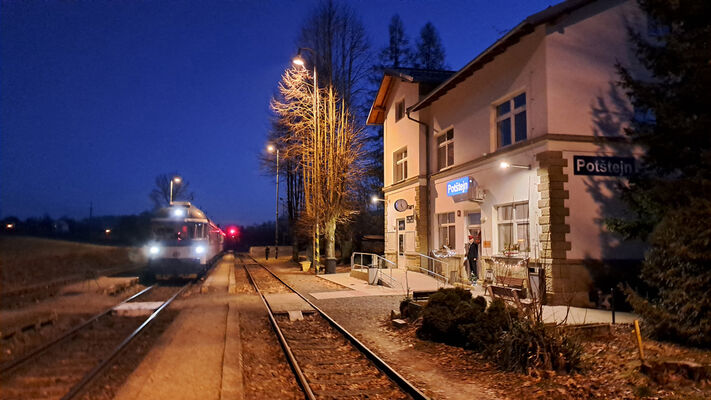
(447, 229)
(400, 165)
(399, 110)
(445, 149)
(512, 228)
(511, 120)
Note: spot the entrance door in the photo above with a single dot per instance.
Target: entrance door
(401, 244)
(474, 229)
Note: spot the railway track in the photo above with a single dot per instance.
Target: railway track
(64, 367)
(329, 362)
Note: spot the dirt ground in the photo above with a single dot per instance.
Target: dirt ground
(611, 366)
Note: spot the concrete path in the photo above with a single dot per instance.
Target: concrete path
(421, 282)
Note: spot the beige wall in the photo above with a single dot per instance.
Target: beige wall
(581, 52)
(403, 132)
(469, 107)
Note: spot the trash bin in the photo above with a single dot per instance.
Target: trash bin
(537, 283)
(372, 276)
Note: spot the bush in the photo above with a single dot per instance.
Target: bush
(453, 317)
(532, 345)
(678, 267)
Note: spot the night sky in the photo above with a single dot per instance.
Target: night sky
(99, 97)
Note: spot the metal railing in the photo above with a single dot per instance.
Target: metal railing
(365, 261)
(431, 267)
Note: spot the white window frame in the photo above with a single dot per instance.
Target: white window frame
(511, 116)
(399, 165)
(450, 227)
(399, 110)
(515, 222)
(448, 145)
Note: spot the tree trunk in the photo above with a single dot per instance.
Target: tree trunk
(295, 248)
(331, 246)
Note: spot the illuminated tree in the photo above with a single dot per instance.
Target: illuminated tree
(327, 143)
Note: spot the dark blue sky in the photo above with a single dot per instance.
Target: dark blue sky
(99, 97)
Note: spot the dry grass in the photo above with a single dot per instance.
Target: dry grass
(27, 261)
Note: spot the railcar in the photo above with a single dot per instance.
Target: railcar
(184, 242)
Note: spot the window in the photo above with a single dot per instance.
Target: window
(400, 165)
(445, 149)
(512, 228)
(447, 235)
(399, 110)
(511, 120)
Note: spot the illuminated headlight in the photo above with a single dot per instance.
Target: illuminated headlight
(178, 212)
(153, 250)
(200, 249)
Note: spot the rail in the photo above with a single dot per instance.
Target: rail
(431, 268)
(381, 365)
(76, 389)
(360, 261)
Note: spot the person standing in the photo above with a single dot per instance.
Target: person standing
(472, 256)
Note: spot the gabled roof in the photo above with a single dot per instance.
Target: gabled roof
(513, 36)
(425, 76)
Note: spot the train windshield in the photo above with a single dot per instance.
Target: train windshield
(168, 231)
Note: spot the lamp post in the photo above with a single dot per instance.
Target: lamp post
(273, 149)
(177, 180)
(298, 60)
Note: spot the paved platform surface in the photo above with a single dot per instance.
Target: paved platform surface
(421, 282)
(198, 357)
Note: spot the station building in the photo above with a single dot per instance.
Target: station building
(523, 148)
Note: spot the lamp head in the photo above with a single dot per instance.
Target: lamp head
(177, 179)
(504, 165)
(271, 148)
(298, 60)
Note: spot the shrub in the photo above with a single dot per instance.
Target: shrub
(452, 316)
(678, 266)
(532, 345)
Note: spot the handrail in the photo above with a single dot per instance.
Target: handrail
(428, 270)
(375, 262)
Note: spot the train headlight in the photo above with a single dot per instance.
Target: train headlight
(200, 249)
(153, 250)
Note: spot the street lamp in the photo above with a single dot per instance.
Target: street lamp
(177, 180)
(299, 60)
(374, 199)
(273, 149)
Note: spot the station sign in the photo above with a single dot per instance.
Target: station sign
(603, 166)
(458, 186)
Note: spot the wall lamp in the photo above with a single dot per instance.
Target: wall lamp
(374, 199)
(505, 165)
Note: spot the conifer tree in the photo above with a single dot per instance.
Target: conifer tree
(397, 53)
(670, 197)
(430, 52)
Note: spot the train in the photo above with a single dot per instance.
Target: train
(184, 242)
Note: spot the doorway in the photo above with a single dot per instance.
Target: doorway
(401, 244)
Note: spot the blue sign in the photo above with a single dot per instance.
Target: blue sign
(458, 186)
(603, 166)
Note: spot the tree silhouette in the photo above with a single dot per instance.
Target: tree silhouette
(430, 52)
(160, 195)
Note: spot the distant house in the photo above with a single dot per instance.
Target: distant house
(522, 147)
